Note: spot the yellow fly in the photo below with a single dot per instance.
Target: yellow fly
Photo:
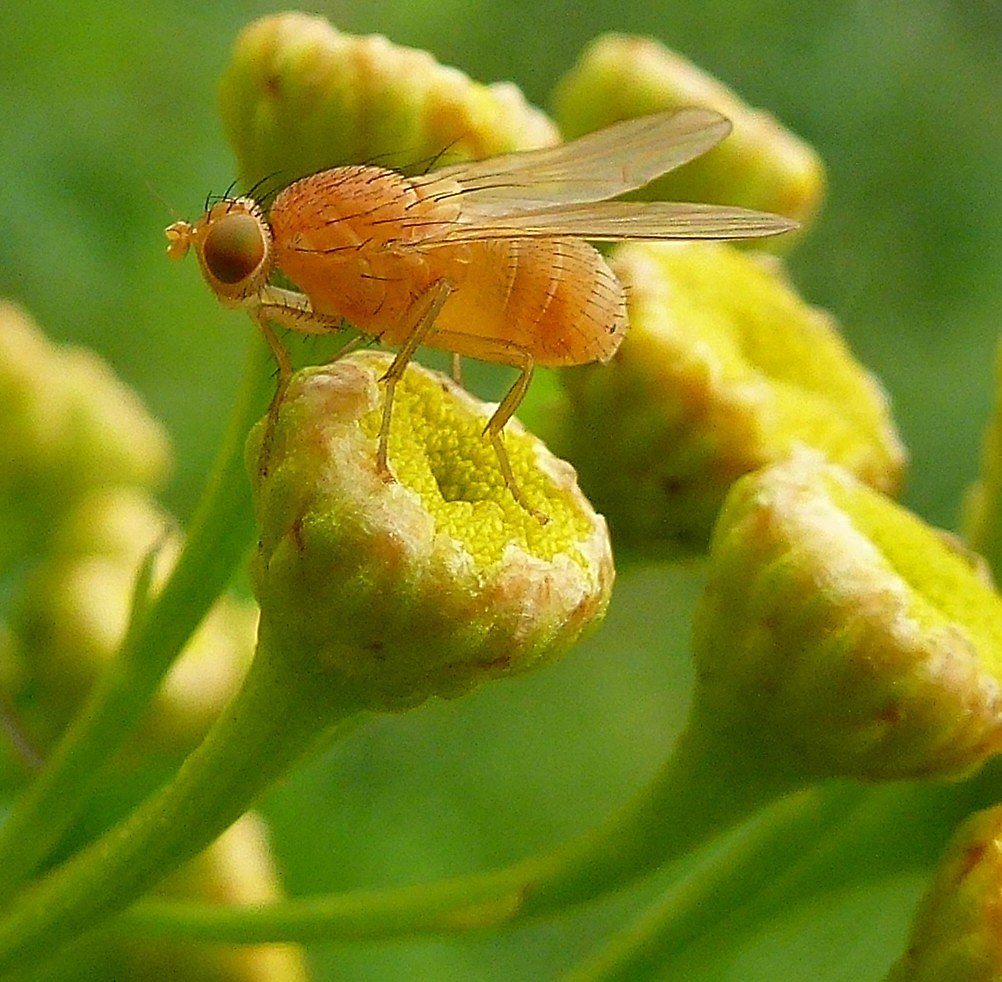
(488, 259)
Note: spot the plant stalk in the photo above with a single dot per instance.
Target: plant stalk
(283, 708)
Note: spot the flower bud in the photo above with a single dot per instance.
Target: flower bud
(120, 525)
(435, 582)
(74, 610)
(955, 935)
(760, 165)
(69, 424)
(300, 96)
(725, 370)
(236, 869)
(841, 636)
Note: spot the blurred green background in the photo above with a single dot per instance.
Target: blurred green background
(110, 131)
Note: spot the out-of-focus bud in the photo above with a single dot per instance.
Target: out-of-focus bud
(725, 370)
(839, 636)
(983, 505)
(299, 96)
(120, 525)
(74, 610)
(236, 869)
(69, 424)
(431, 584)
(760, 165)
(955, 935)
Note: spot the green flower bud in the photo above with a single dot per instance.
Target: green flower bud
(760, 165)
(430, 584)
(955, 935)
(74, 611)
(236, 869)
(118, 524)
(725, 370)
(840, 636)
(68, 626)
(69, 424)
(203, 679)
(299, 97)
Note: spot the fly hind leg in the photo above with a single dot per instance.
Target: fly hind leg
(490, 349)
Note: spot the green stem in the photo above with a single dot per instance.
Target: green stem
(724, 883)
(283, 708)
(700, 791)
(220, 533)
(864, 847)
(703, 789)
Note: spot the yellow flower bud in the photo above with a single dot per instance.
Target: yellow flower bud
(121, 525)
(237, 868)
(955, 935)
(74, 610)
(838, 635)
(725, 370)
(69, 424)
(760, 165)
(430, 584)
(300, 96)
(203, 679)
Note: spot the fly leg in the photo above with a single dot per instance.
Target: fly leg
(284, 375)
(500, 352)
(424, 309)
(292, 310)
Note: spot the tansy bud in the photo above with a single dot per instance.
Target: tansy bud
(725, 369)
(838, 635)
(69, 425)
(120, 525)
(300, 96)
(760, 165)
(236, 869)
(955, 935)
(74, 609)
(430, 584)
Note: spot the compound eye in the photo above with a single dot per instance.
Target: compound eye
(234, 248)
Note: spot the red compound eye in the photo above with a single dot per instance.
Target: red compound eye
(234, 247)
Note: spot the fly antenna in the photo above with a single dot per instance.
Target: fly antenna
(157, 196)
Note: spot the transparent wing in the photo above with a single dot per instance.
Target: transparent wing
(610, 221)
(600, 165)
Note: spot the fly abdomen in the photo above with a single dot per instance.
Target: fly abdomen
(563, 300)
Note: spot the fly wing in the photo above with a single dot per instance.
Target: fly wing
(612, 221)
(600, 165)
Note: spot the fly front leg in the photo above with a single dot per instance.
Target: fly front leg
(424, 310)
(284, 375)
(490, 349)
(292, 310)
